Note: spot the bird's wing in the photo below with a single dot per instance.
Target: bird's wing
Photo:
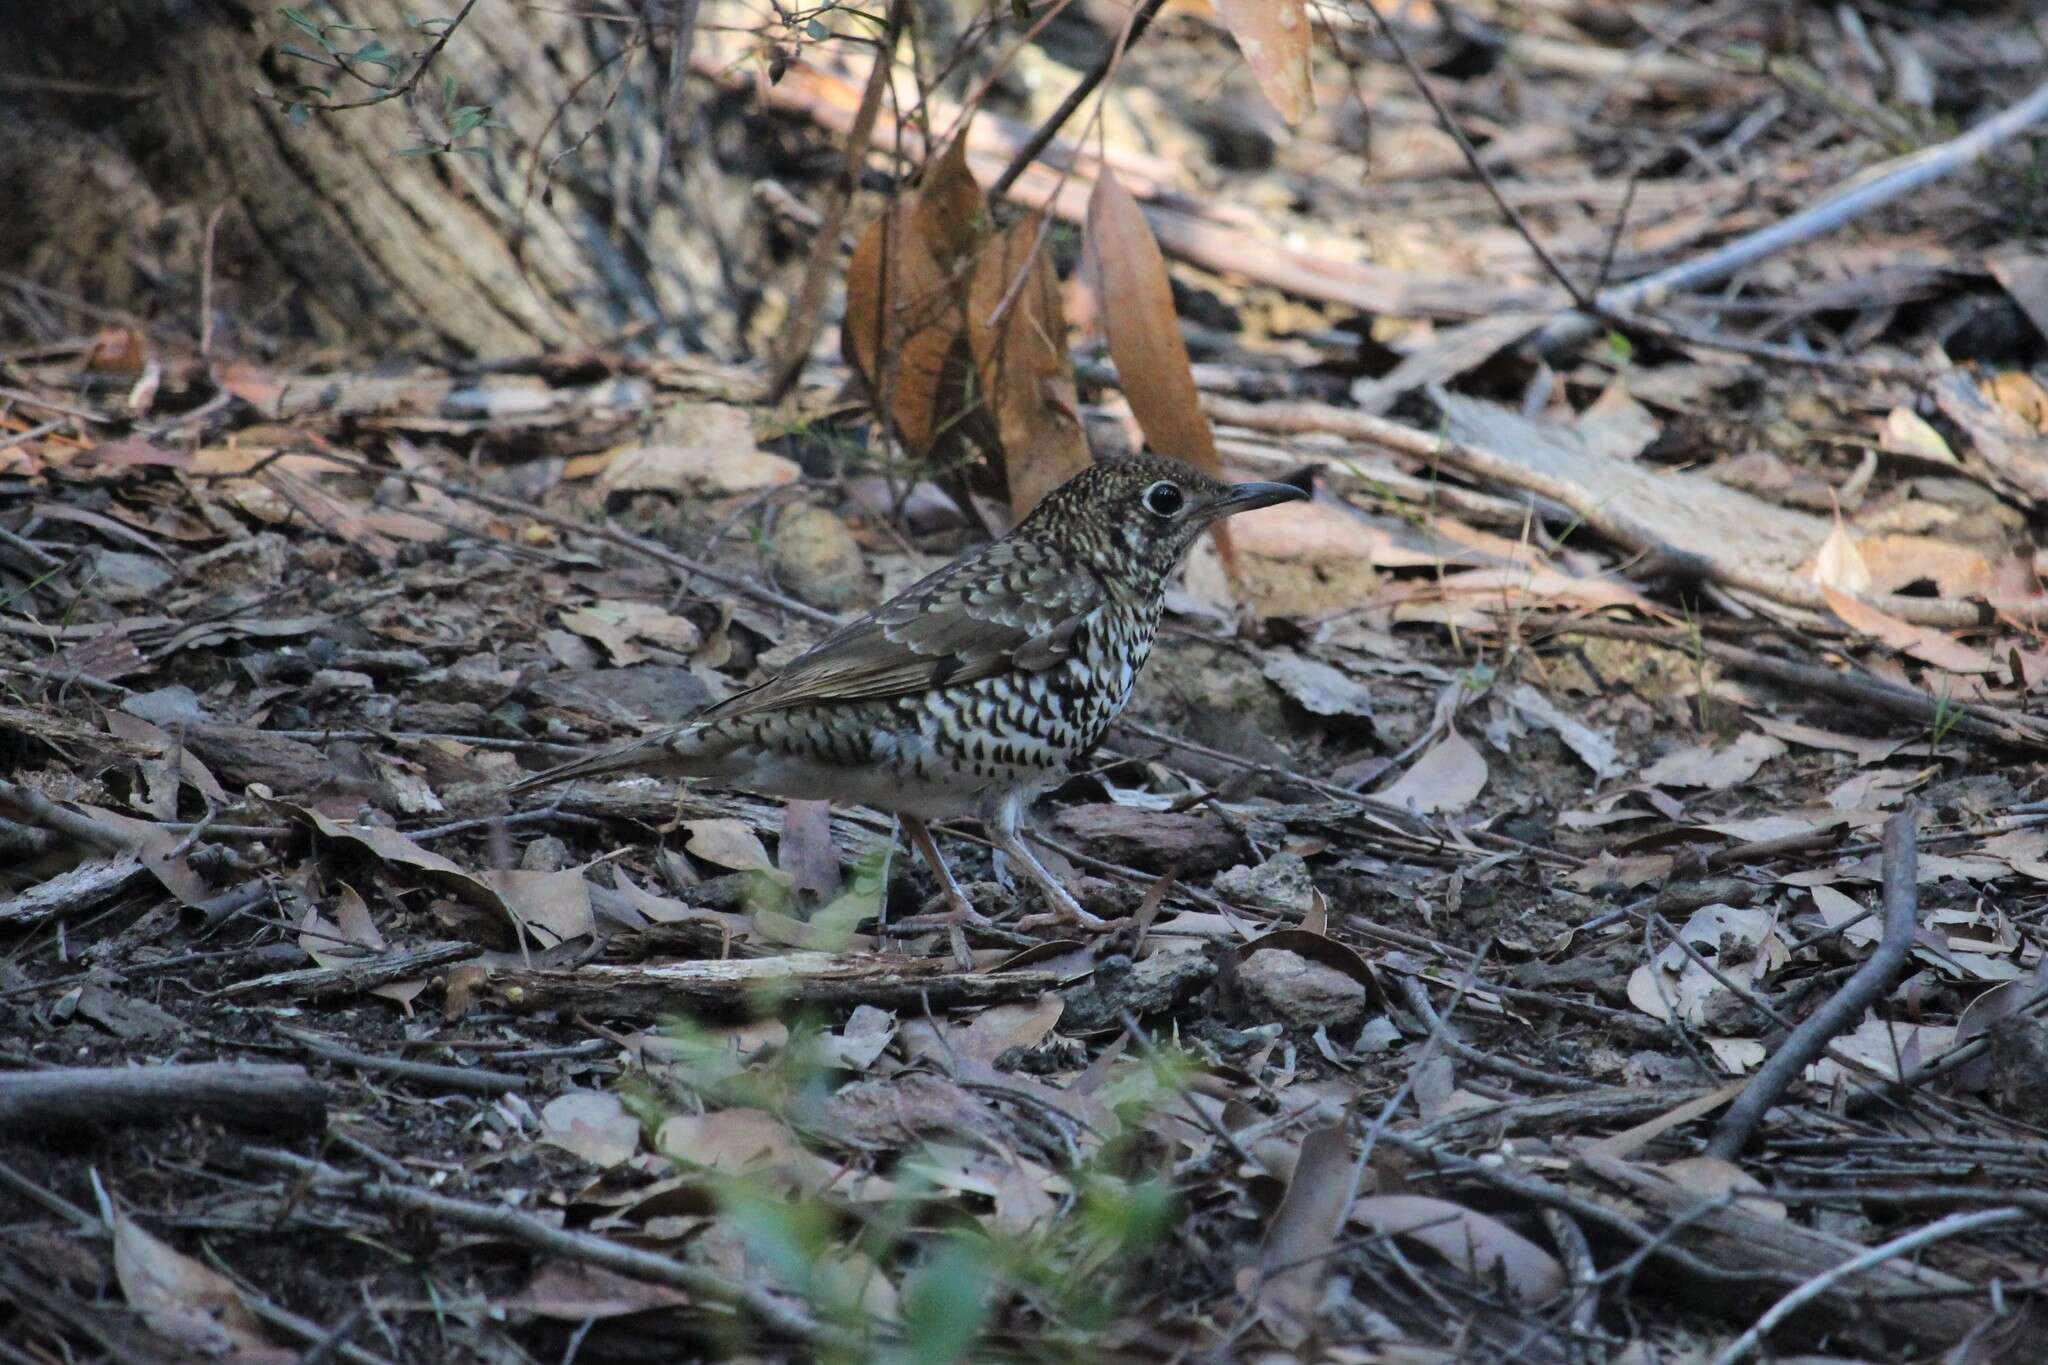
(1013, 605)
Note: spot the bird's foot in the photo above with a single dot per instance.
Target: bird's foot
(1065, 910)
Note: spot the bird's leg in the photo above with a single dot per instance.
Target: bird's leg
(960, 911)
(999, 817)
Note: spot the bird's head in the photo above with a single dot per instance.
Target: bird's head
(1134, 517)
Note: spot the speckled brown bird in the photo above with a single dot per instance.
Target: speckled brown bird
(973, 689)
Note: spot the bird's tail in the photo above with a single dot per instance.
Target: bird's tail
(669, 753)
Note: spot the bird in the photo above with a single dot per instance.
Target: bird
(974, 690)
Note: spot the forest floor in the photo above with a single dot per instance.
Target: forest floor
(1469, 847)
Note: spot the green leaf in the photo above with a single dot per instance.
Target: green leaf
(467, 121)
(374, 51)
(945, 1305)
(302, 23)
(447, 93)
(294, 50)
(817, 30)
(1620, 347)
(298, 115)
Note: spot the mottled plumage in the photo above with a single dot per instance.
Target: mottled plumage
(976, 687)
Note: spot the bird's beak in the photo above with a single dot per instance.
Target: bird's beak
(1243, 497)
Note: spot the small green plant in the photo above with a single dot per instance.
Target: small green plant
(905, 1267)
(1947, 711)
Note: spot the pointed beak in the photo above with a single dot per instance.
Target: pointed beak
(1243, 497)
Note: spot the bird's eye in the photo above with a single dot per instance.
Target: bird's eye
(1164, 498)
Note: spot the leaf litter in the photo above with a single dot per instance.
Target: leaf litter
(265, 677)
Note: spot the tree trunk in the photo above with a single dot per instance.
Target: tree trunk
(124, 124)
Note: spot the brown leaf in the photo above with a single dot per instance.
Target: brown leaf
(185, 1301)
(1273, 35)
(1480, 1245)
(1144, 332)
(903, 312)
(1447, 777)
(1022, 363)
(592, 1124)
(1922, 642)
(1294, 1259)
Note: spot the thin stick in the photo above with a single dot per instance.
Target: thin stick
(802, 333)
(1842, 1009)
(1580, 297)
(1950, 1226)
(536, 1235)
(1048, 130)
(1860, 195)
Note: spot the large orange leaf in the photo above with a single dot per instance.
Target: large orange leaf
(1273, 36)
(1144, 332)
(1022, 362)
(902, 305)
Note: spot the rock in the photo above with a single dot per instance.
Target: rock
(817, 558)
(702, 448)
(2019, 1068)
(1151, 986)
(545, 854)
(1283, 985)
(122, 576)
(1196, 843)
(476, 678)
(1281, 884)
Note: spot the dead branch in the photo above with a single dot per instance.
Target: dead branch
(1873, 189)
(277, 1098)
(1845, 1007)
(353, 978)
(760, 985)
(536, 1235)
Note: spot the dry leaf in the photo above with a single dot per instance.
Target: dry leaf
(1021, 360)
(1838, 564)
(1447, 777)
(1702, 765)
(1907, 433)
(1294, 1258)
(714, 453)
(1476, 1243)
(1922, 642)
(728, 843)
(592, 1124)
(1144, 331)
(1273, 35)
(184, 1301)
(917, 326)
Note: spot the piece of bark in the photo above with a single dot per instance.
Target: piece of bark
(87, 885)
(277, 1098)
(1889, 1295)
(762, 985)
(353, 978)
(1191, 843)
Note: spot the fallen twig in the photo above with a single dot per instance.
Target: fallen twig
(801, 332)
(467, 1080)
(245, 1094)
(1873, 189)
(1820, 1284)
(536, 1235)
(745, 986)
(1841, 1010)
(353, 978)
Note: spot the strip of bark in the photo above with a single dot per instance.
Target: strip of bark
(353, 978)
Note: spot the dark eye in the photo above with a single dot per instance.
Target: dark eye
(1163, 499)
